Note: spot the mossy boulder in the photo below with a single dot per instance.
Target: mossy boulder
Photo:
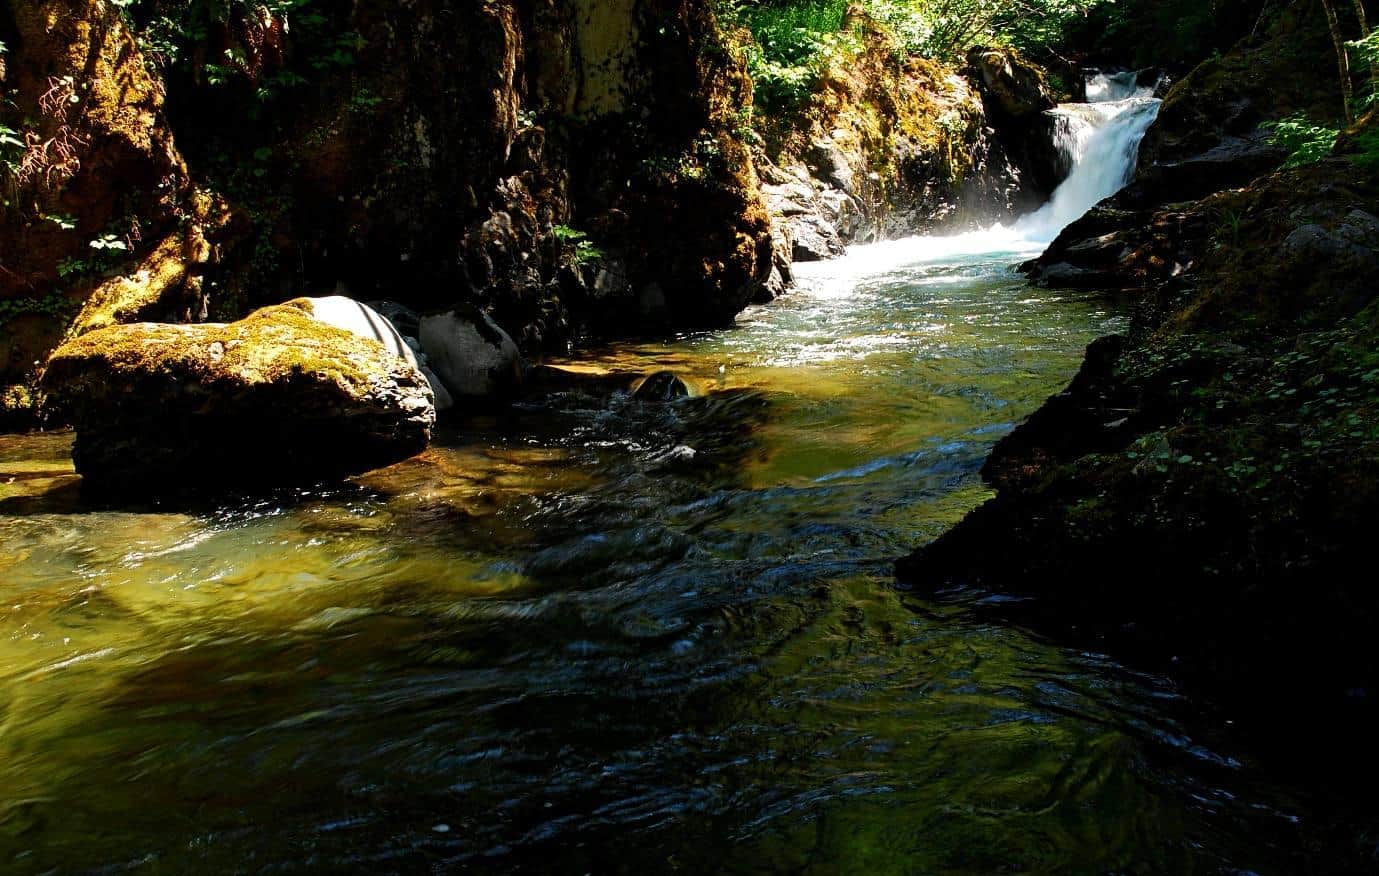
(276, 397)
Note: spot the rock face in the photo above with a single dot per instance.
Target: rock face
(470, 354)
(1017, 87)
(609, 123)
(277, 397)
(99, 161)
(1203, 489)
(614, 124)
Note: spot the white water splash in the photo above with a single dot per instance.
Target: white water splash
(1106, 163)
(1112, 87)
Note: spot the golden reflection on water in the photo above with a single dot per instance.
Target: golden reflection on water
(587, 613)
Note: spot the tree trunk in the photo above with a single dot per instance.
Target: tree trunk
(1364, 35)
(1342, 59)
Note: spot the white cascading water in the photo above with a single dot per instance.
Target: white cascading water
(1100, 142)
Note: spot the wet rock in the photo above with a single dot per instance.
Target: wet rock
(663, 386)
(815, 240)
(276, 397)
(470, 354)
(830, 163)
(380, 322)
(1012, 85)
(404, 319)
(1232, 162)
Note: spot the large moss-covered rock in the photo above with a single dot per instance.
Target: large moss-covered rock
(1017, 88)
(278, 396)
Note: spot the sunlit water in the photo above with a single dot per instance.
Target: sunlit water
(592, 634)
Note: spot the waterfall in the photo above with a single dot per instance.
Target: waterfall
(1112, 87)
(1100, 143)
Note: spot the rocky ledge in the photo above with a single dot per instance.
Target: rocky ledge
(1204, 489)
(278, 397)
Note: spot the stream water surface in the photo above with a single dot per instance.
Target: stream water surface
(593, 634)
(589, 633)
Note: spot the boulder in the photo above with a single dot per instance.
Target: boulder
(393, 325)
(815, 239)
(470, 354)
(276, 397)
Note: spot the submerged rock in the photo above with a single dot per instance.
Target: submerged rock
(663, 386)
(470, 354)
(276, 397)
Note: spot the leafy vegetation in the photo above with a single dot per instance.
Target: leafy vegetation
(586, 251)
(795, 40)
(1305, 140)
(243, 43)
(1309, 141)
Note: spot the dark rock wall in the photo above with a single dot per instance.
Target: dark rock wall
(490, 125)
(1204, 486)
(573, 167)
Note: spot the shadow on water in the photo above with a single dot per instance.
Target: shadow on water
(590, 633)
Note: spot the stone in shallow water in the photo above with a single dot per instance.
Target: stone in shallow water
(663, 386)
(277, 397)
(471, 355)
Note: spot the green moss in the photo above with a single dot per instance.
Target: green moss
(268, 346)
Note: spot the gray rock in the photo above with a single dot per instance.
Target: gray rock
(842, 211)
(470, 355)
(815, 239)
(830, 164)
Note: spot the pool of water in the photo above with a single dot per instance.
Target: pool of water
(587, 633)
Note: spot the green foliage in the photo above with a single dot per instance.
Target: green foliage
(174, 35)
(1366, 52)
(795, 39)
(1164, 33)
(106, 251)
(1365, 150)
(1305, 141)
(586, 252)
(792, 42)
(50, 305)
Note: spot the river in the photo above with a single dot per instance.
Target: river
(588, 633)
